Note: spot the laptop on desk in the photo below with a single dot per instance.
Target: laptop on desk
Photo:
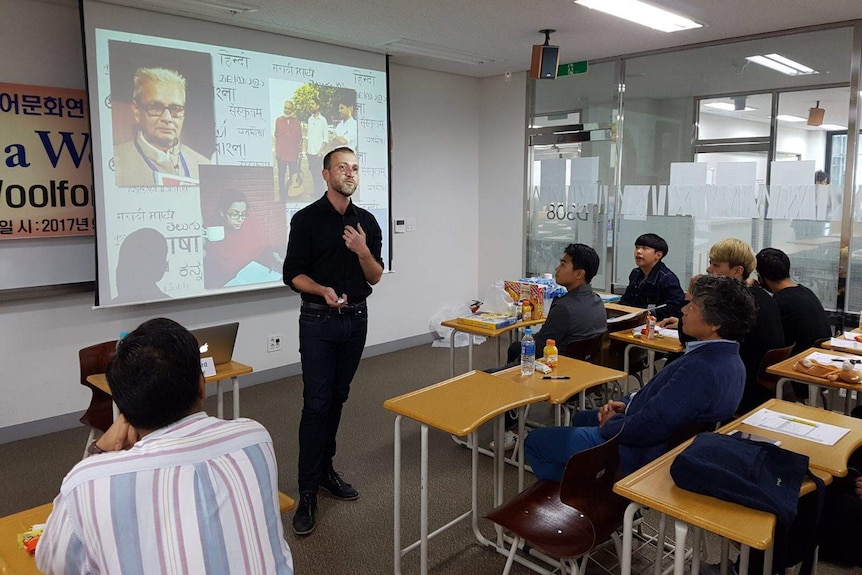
(217, 341)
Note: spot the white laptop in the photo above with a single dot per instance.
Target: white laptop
(217, 341)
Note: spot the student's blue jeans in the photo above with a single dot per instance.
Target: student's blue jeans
(548, 449)
(330, 347)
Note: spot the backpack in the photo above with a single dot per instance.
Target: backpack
(760, 476)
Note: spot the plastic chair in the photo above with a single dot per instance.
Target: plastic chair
(772, 357)
(99, 415)
(567, 520)
(589, 350)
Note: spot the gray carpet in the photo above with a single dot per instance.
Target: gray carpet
(351, 537)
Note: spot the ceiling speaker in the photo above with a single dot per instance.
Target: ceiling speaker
(546, 60)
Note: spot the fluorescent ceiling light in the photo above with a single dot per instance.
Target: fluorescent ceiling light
(789, 118)
(416, 48)
(832, 127)
(727, 107)
(640, 13)
(781, 64)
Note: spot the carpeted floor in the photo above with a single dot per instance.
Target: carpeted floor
(351, 537)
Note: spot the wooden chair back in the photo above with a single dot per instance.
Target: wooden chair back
(92, 360)
(772, 357)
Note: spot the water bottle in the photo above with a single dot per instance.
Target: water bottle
(528, 353)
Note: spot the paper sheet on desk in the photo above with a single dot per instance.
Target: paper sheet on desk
(832, 359)
(661, 330)
(847, 341)
(796, 426)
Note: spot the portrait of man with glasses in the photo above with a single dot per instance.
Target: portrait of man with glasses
(156, 154)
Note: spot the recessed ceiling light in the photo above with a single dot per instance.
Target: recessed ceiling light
(641, 13)
(727, 107)
(832, 127)
(781, 64)
(789, 118)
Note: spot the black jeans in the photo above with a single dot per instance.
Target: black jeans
(330, 347)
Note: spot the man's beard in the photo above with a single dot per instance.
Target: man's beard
(340, 188)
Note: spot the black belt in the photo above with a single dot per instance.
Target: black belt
(346, 309)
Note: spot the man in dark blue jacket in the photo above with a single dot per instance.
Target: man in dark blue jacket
(652, 282)
(704, 386)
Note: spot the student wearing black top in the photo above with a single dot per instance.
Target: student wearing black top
(802, 315)
(652, 282)
(333, 259)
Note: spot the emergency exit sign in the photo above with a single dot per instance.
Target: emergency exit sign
(573, 68)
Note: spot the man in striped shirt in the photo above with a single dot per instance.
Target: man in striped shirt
(168, 489)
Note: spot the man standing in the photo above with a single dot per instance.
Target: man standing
(288, 143)
(333, 259)
(167, 489)
(652, 282)
(317, 132)
(346, 131)
(159, 109)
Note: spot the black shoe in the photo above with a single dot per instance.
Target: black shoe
(333, 484)
(303, 519)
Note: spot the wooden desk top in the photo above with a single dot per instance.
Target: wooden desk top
(623, 309)
(14, 561)
(653, 486)
(223, 371)
(461, 404)
(829, 458)
(785, 369)
(583, 376)
(665, 344)
(487, 332)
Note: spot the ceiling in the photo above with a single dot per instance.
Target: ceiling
(495, 36)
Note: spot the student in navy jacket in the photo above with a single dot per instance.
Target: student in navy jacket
(703, 386)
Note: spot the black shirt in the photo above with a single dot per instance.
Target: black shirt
(316, 249)
(802, 317)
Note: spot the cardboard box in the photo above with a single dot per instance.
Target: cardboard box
(488, 320)
(527, 291)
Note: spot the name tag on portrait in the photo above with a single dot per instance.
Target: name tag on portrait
(208, 366)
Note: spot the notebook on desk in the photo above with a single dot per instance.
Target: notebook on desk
(217, 341)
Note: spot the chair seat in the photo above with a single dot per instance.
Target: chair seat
(555, 528)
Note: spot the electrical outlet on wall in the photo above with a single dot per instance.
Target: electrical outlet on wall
(273, 343)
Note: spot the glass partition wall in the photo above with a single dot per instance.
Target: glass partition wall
(702, 144)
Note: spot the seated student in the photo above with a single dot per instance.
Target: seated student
(802, 316)
(703, 386)
(734, 258)
(652, 282)
(167, 489)
(578, 315)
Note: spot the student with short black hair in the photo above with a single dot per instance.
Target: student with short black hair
(802, 315)
(652, 282)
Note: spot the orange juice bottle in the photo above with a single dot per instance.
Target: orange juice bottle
(526, 310)
(550, 354)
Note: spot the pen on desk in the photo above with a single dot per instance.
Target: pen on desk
(556, 377)
(797, 420)
(843, 359)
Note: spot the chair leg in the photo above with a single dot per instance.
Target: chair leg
(511, 558)
(90, 438)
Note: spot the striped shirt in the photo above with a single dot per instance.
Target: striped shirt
(197, 496)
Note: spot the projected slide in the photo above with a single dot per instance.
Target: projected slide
(206, 152)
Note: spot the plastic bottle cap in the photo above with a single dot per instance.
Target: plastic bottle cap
(550, 342)
(528, 331)
(548, 276)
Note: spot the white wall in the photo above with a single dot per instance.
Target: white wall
(446, 129)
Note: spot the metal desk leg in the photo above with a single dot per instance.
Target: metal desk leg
(522, 437)
(628, 521)
(813, 392)
(499, 360)
(681, 530)
(779, 387)
(423, 501)
(220, 400)
(397, 500)
(651, 361)
(452, 353)
(725, 554)
(470, 352)
(695, 549)
(235, 381)
(626, 364)
(744, 551)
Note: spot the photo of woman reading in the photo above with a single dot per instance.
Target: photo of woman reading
(237, 251)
